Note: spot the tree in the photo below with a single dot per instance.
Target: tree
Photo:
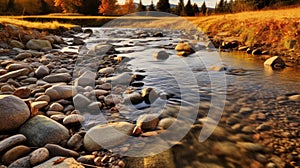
(108, 7)
(163, 6)
(128, 7)
(196, 9)
(69, 6)
(189, 9)
(90, 7)
(10, 5)
(180, 9)
(203, 8)
(151, 7)
(141, 7)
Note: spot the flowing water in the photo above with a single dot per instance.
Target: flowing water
(192, 82)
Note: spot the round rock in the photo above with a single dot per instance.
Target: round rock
(13, 112)
(15, 153)
(38, 156)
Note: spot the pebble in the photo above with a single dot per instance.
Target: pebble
(11, 141)
(56, 150)
(15, 153)
(38, 156)
(80, 101)
(22, 56)
(56, 107)
(22, 92)
(18, 66)
(21, 163)
(149, 95)
(41, 130)
(253, 147)
(60, 92)
(62, 162)
(87, 159)
(58, 117)
(165, 123)
(147, 121)
(43, 98)
(106, 71)
(294, 98)
(13, 111)
(86, 79)
(75, 142)
(60, 77)
(42, 71)
(161, 55)
(36, 44)
(73, 119)
(38, 105)
(14, 74)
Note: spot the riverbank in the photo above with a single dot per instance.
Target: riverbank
(270, 32)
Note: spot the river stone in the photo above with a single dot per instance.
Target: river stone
(22, 56)
(161, 55)
(17, 44)
(165, 123)
(107, 135)
(38, 156)
(14, 74)
(75, 142)
(73, 119)
(22, 92)
(87, 159)
(133, 98)
(15, 153)
(147, 121)
(184, 46)
(60, 92)
(149, 95)
(13, 112)
(21, 163)
(253, 147)
(38, 105)
(17, 66)
(99, 49)
(294, 98)
(80, 101)
(11, 141)
(107, 70)
(56, 107)
(35, 44)
(42, 71)
(112, 100)
(65, 163)
(86, 79)
(41, 130)
(124, 78)
(59, 77)
(56, 150)
(275, 62)
(43, 98)
(7, 88)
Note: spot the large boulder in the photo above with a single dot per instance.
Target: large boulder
(13, 112)
(41, 130)
(107, 135)
(275, 62)
(35, 44)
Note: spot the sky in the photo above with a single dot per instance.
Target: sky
(209, 3)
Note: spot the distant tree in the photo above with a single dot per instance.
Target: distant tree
(109, 7)
(69, 6)
(141, 7)
(90, 7)
(189, 9)
(203, 8)
(151, 7)
(220, 7)
(163, 6)
(10, 5)
(196, 9)
(180, 9)
(128, 7)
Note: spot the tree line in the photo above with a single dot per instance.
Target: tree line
(111, 7)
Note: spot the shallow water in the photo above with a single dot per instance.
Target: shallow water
(191, 82)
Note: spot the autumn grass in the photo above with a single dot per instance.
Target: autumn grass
(36, 25)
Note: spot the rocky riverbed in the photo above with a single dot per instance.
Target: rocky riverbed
(82, 100)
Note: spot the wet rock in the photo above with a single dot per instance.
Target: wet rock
(100, 92)
(60, 92)
(87, 159)
(133, 98)
(219, 68)
(60, 77)
(158, 34)
(107, 135)
(105, 86)
(75, 142)
(17, 44)
(41, 130)
(161, 55)
(165, 123)
(22, 92)
(56, 150)
(149, 95)
(22, 162)
(42, 71)
(275, 62)
(124, 78)
(56, 107)
(294, 98)
(35, 44)
(86, 79)
(80, 101)
(62, 162)
(15, 153)
(13, 111)
(256, 52)
(112, 100)
(78, 41)
(22, 56)
(100, 49)
(147, 121)
(107, 70)
(14, 74)
(38, 156)
(184, 49)
(263, 127)
(73, 119)
(11, 141)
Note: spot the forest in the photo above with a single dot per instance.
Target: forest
(111, 7)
